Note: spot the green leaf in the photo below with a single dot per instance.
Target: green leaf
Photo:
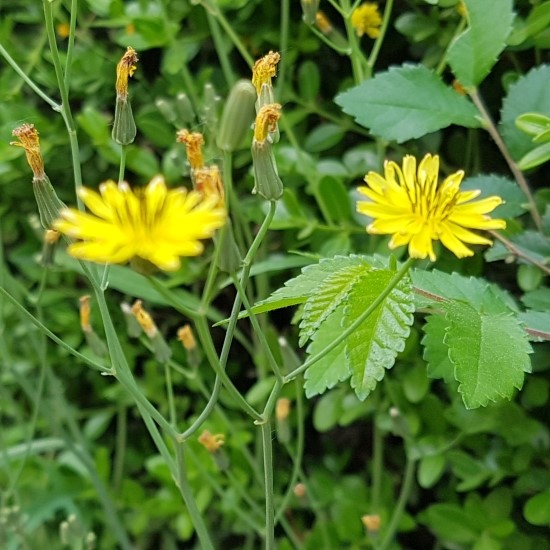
(537, 299)
(473, 54)
(491, 184)
(407, 102)
(329, 294)
(528, 94)
(324, 137)
(537, 509)
(434, 287)
(537, 323)
(451, 523)
(436, 353)
(333, 195)
(430, 470)
(537, 156)
(490, 353)
(333, 367)
(373, 346)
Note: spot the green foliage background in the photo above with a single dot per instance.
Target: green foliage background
(71, 440)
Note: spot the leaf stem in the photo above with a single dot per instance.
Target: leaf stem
(518, 174)
(380, 39)
(268, 480)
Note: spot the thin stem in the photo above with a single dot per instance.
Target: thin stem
(51, 335)
(343, 335)
(404, 495)
(283, 42)
(120, 447)
(65, 106)
(268, 485)
(199, 421)
(377, 466)
(356, 55)
(380, 39)
(70, 45)
(516, 251)
(217, 37)
(187, 494)
(170, 394)
(518, 174)
(55, 106)
(443, 62)
(122, 165)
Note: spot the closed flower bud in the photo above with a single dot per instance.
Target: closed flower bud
(309, 10)
(184, 109)
(268, 184)
(230, 258)
(238, 116)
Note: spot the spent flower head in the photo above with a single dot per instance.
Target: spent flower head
(125, 69)
(211, 442)
(265, 69)
(155, 223)
(208, 182)
(408, 204)
(193, 141)
(29, 140)
(266, 121)
(366, 19)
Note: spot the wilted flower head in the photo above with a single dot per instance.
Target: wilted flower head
(366, 19)
(266, 121)
(409, 204)
(125, 68)
(155, 224)
(193, 142)
(208, 182)
(29, 140)
(211, 442)
(265, 69)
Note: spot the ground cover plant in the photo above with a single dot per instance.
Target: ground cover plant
(274, 274)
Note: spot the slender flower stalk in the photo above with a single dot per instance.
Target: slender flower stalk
(408, 204)
(153, 224)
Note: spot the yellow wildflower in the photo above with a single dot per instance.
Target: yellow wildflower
(408, 204)
(125, 68)
(155, 224)
(366, 19)
(265, 69)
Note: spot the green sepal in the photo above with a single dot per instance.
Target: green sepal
(124, 126)
(49, 204)
(268, 184)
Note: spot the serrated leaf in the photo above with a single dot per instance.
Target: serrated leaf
(434, 287)
(373, 346)
(538, 299)
(328, 295)
(491, 184)
(490, 353)
(436, 352)
(537, 324)
(528, 94)
(473, 54)
(407, 102)
(333, 367)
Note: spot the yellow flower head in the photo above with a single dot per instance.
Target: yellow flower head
(265, 69)
(208, 182)
(28, 139)
(366, 19)
(211, 442)
(266, 121)
(156, 224)
(125, 68)
(194, 142)
(408, 204)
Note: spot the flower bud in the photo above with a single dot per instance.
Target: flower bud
(309, 11)
(238, 116)
(124, 128)
(230, 258)
(184, 109)
(160, 348)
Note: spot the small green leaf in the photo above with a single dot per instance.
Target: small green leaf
(473, 54)
(324, 137)
(537, 156)
(373, 346)
(334, 198)
(490, 353)
(407, 102)
(309, 80)
(533, 123)
(537, 509)
(430, 470)
(451, 523)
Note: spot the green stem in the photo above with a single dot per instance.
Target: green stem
(283, 43)
(70, 45)
(185, 489)
(51, 335)
(65, 106)
(443, 62)
(404, 495)
(356, 55)
(518, 174)
(120, 447)
(122, 165)
(343, 335)
(170, 393)
(268, 485)
(380, 39)
(377, 467)
(55, 106)
(217, 37)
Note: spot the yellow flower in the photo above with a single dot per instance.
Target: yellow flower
(408, 204)
(366, 19)
(155, 224)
